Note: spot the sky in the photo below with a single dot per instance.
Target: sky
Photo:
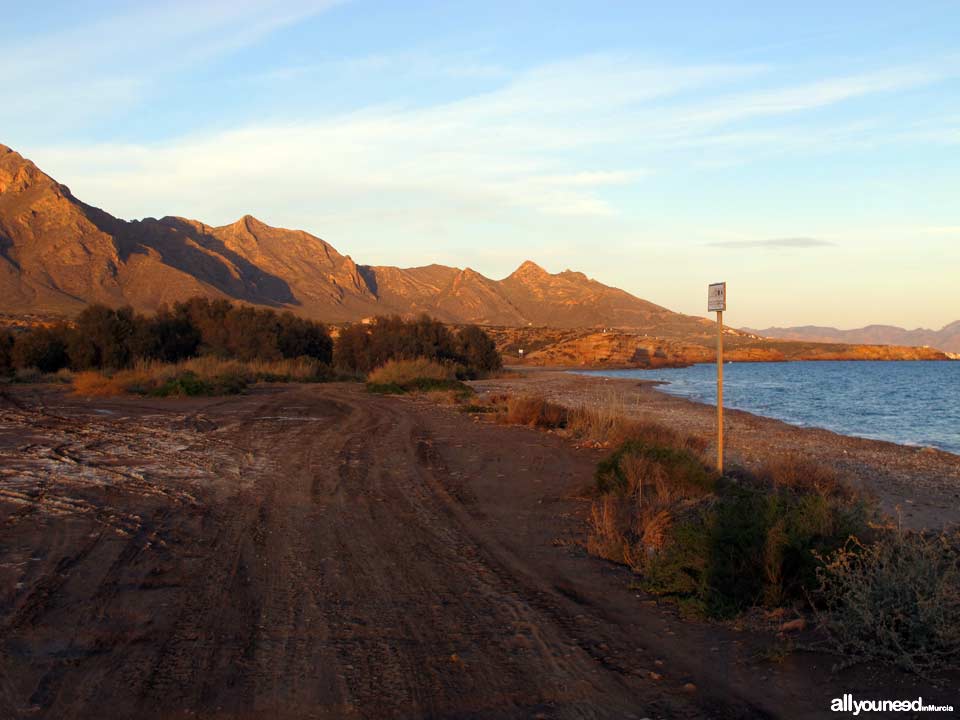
(808, 154)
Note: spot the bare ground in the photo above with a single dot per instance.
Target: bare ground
(318, 552)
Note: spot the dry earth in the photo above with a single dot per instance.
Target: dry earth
(318, 552)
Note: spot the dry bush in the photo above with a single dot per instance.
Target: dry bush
(598, 426)
(406, 372)
(799, 473)
(91, 383)
(609, 424)
(607, 537)
(652, 527)
(535, 412)
(444, 397)
(896, 600)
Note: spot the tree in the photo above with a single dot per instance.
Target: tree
(478, 350)
(101, 338)
(298, 337)
(6, 352)
(169, 336)
(361, 348)
(352, 349)
(42, 348)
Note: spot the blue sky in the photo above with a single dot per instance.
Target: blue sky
(806, 153)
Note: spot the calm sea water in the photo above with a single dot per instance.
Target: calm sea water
(912, 403)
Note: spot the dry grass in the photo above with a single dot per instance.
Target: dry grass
(606, 538)
(608, 422)
(288, 370)
(406, 372)
(445, 397)
(535, 412)
(92, 383)
(798, 473)
(203, 375)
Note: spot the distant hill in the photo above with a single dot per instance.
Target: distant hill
(947, 338)
(58, 254)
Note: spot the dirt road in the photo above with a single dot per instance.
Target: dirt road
(318, 552)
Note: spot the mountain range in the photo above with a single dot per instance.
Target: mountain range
(58, 253)
(947, 338)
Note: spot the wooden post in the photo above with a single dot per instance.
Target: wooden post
(720, 391)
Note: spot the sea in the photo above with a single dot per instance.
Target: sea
(911, 403)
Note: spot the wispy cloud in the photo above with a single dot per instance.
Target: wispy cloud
(775, 243)
(415, 65)
(552, 151)
(111, 61)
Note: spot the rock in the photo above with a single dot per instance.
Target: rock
(793, 625)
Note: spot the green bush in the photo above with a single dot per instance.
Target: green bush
(896, 600)
(189, 384)
(683, 467)
(421, 385)
(719, 545)
(749, 546)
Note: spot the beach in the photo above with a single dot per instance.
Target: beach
(918, 486)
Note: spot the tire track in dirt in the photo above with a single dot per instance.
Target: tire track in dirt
(347, 570)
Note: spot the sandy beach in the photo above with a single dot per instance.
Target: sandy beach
(919, 485)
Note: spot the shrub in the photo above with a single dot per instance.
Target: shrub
(793, 471)
(718, 545)
(91, 383)
(895, 600)
(396, 377)
(362, 347)
(747, 546)
(198, 376)
(535, 412)
(477, 350)
(189, 384)
(683, 469)
(607, 422)
(42, 348)
(404, 372)
(6, 352)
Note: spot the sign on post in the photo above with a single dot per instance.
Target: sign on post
(717, 297)
(717, 302)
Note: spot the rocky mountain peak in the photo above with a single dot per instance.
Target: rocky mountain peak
(529, 270)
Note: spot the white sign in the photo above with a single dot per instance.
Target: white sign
(717, 297)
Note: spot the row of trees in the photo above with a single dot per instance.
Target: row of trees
(361, 348)
(112, 339)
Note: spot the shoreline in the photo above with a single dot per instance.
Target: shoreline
(918, 485)
(797, 424)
